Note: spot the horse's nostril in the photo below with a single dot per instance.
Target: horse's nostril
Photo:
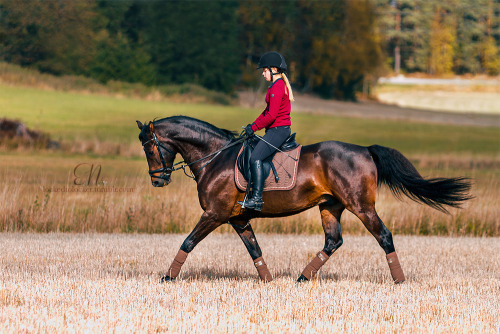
(158, 183)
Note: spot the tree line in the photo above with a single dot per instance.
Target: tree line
(333, 48)
(442, 36)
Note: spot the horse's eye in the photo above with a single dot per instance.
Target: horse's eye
(151, 153)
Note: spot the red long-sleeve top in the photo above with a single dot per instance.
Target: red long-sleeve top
(277, 112)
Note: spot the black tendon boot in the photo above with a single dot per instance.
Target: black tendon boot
(256, 202)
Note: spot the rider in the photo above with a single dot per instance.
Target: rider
(275, 119)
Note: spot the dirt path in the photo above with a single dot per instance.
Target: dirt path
(369, 109)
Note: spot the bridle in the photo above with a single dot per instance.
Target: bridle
(164, 170)
(167, 171)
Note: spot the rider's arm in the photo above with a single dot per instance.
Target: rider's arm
(273, 99)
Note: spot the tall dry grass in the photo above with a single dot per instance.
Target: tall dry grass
(40, 199)
(110, 283)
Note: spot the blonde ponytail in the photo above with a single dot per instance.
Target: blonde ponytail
(289, 88)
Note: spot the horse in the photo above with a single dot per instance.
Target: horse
(332, 175)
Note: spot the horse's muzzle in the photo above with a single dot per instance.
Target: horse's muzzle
(160, 181)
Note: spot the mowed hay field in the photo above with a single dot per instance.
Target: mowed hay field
(110, 283)
(471, 98)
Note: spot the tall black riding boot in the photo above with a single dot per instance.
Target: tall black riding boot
(256, 202)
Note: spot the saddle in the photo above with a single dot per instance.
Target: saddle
(283, 177)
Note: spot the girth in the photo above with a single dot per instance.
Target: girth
(267, 164)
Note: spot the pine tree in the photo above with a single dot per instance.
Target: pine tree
(441, 43)
(121, 51)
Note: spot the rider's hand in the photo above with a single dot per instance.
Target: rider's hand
(249, 130)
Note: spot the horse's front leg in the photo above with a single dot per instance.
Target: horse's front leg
(330, 218)
(204, 227)
(245, 231)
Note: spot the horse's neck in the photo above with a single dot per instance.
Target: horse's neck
(195, 149)
(192, 145)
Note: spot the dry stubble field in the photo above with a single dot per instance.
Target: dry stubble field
(110, 283)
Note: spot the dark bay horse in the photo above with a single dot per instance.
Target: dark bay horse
(332, 175)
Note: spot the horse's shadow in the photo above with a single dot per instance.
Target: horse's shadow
(214, 274)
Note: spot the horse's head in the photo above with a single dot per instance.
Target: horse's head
(160, 157)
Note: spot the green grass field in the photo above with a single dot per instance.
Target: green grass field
(101, 129)
(73, 117)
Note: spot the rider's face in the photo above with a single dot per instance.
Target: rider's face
(266, 74)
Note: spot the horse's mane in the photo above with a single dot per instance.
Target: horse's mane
(198, 125)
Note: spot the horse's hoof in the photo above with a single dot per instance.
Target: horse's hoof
(166, 279)
(302, 278)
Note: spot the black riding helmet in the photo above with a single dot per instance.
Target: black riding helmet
(273, 59)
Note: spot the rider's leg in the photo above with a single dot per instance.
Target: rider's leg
(276, 137)
(255, 202)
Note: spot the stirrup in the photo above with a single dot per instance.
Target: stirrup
(257, 205)
(242, 203)
(248, 195)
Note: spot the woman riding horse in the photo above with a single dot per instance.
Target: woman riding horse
(331, 175)
(275, 119)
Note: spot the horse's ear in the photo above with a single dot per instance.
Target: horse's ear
(151, 127)
(140, 125)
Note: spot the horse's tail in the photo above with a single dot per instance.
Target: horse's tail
(402, 178)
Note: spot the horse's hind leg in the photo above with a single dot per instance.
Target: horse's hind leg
(245, 231)
(376, 227)
(330, 218)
